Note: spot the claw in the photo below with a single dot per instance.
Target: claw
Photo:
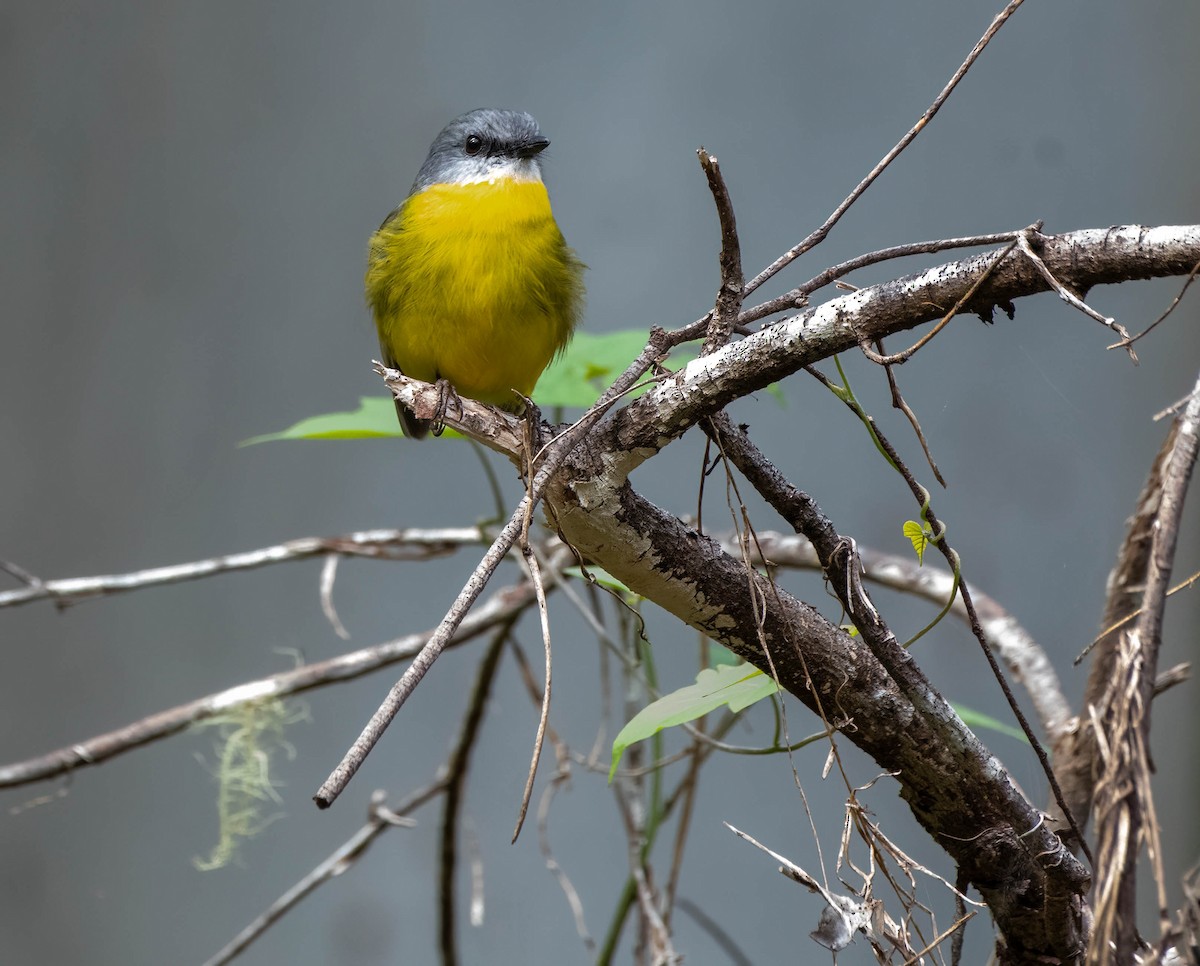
(446, 394)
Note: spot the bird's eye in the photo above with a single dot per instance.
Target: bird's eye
(474, 144)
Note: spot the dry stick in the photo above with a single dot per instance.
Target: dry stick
(718, 935)
(380, 820)
(328, 608)
(535, 575)
(504, 604)
(799, 295)
(887, 361)
(729, 295)
(457, 766)
(407, 544)
(941, 937)
(1128, 341)
(899, 402)
(625, 900)
(433, 648)
(1077, 749)
(898, 358)
(1025, 658)
(977, 632)
(1182, 585)
(830, 546)
(561, 777)
(659, 342)
(1177, 473)
(1071, 298)
(818, 236)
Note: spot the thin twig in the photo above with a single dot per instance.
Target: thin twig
(1127, 342)
(1182, 585)
(897, 358)
(1125, 803)
(899, 402)
(1021, 653)
(504, 604)
(407, 544)
(1072, 299)
(380, 819)
(798, 296)
(328, 578)
(535, 575)
(562, 777)
(819, 235)
(457, 767)
(729, 295)
(560, 448)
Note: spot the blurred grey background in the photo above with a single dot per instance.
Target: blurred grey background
(187, 190)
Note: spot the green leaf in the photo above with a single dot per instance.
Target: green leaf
(977, 719)
(721, 656)
(602, 577)
(375, 416)
(589, 366)
(775, 391)
(919, 537)
(738, 686)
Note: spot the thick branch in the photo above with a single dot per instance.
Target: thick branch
(1079, 259)
(1024, 658)
(955, 788)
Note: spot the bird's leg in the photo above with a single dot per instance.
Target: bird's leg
(446, 394)
(534, 435)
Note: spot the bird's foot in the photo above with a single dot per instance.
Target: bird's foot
(447, 395)
(535, 436)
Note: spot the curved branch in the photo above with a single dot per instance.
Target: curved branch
(1081, 259)
(502, 606)
(955, 788)
(1015, 646)
(406, 544)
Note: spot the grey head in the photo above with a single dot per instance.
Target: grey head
(484, 145)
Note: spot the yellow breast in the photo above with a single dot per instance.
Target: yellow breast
(473, 283)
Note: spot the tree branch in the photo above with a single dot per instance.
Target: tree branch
(503, 605)
(406, 544)
(1082, 259)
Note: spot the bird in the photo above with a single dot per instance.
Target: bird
(470, 281)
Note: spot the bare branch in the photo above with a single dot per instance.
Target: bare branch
(897, 358)
(1016, 647)
(1125, 343)
(709, 383)
(1074, 300)
(457, 767)
(729, 295)
(798, 296)
(407, 544)
(1125, 817)
(416, 396)
(503, 605)
(535, 576)
(819, 235)
(380, 819)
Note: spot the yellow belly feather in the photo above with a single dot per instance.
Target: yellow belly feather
(473, 283)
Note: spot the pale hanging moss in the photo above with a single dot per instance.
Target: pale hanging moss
(250, 734)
